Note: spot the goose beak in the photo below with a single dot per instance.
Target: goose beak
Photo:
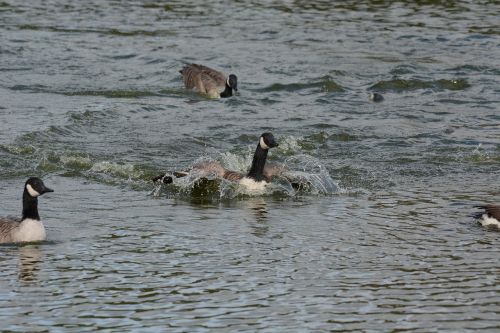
(273, 144)
(46, 189)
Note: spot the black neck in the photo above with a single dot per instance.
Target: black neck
(228, 92)
(259, 161)
(30, 207)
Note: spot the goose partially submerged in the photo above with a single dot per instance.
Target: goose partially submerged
(28, 228)
(257, 177)
(208, 81)
(489, 216)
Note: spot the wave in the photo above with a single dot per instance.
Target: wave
(400, 85)
(323, 84)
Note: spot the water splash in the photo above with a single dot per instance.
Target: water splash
(306, 174)
(128, 171)
(302, 175)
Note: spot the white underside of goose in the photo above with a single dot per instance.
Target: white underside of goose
(213, 94)
(252, 185)
(29, 231)
(489, 221)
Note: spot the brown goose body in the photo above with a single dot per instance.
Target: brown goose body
(208, 81)
(216, 169)
(8, 226)
(259, 174)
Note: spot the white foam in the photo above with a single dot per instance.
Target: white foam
(121, 170)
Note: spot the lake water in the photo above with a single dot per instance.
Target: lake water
(91, 101)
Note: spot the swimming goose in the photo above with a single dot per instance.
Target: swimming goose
(208, 81)
(490, 216)
(375, 97)
(29, 228)
(257, 177)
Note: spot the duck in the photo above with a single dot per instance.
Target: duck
(29, 228)
(257, 178)
(489, 216)
(208, 81)
(376, 97)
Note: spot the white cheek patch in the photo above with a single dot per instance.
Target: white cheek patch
(32, 191)
(263, 144)
(227, 82)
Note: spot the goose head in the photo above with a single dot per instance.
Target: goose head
(35, 187)
(267, 141)
(232, 82)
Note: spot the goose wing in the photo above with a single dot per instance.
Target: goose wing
(215, 168)
(210, 168)
(217, 77)
(202, 78)
(7, 225)
(191, 75)
(272, 170)
(232, 176)
(203, 169)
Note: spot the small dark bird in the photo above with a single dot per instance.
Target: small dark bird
(376, 97)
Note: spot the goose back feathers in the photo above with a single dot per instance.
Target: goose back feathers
(208, 81)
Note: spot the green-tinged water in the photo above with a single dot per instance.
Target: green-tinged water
(380, 239)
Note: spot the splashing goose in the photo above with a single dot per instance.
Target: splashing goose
(490, 216)
(28, 228)
(257, 177)
(208, 81)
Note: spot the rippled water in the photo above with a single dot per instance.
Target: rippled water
(92, 101)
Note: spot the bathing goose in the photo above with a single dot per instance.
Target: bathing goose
(208, 81)
(257, 177)
(489, 216)
(215, 168)
(28, 228)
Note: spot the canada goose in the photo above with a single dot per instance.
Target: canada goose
(208, 81)
(490, 216)
(257, 177)
(28, 228)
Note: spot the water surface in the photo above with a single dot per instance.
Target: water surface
(92, 101)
